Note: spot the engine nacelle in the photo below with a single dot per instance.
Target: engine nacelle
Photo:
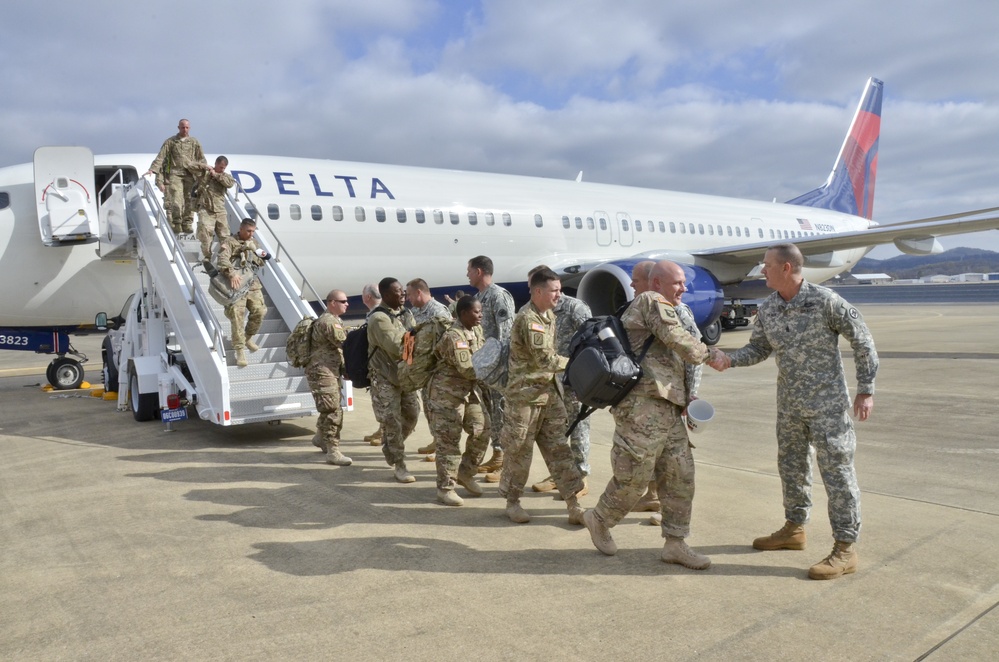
(608, 287)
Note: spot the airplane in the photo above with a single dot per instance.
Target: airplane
(349, 223)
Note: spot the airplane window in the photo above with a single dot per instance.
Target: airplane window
(672, 227)
(589, 222)
(420, 216)
(251, 211)
(662, 227)
(638, 226)
(691, 227)
(359, 214)
(603, 223)
(711, 230)
(565, 222)
(507, 219)
(4, 199)
(538, 221)
(683, 229)
(379, 214)
(729, 228)
(272, 212)
(579, 223)
(738, 231)
(295, 212)
(746, 232)
(438, 216)
(400, 215)
(454, 217)
(761, 232)
(317, 213)
(490, 219)
(337, 213)
(652, 226)
(700, 228)
(624, 224)
(473, 218)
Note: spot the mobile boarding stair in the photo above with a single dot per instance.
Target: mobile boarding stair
(172, 351)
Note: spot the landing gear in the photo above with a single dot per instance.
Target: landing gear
(711, 334)
(65, 373)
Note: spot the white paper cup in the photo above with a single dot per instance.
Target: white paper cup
(699, 414)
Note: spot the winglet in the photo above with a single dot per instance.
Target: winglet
(850, 186)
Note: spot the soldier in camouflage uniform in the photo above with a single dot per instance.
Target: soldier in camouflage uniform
(371, 298)
(237, 253)
(212, 217)
(497, 321)
(396, 411)
(178, 163)
(454, 405)
(534, 409)
(425, 308)
(324, 373)
(650, 437)
(800, 324)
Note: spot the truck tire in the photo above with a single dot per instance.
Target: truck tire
(143, 405)
(711, 334)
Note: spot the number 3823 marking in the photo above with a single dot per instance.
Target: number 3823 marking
(14, 340)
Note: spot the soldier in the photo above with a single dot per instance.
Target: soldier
(324, 374)
(212, 216)
(371, 298)
(497, 321)
(534, 408)
(237, 254)
(453, 388)
(395, 410)
(426, 308)
(179, 160)
(800, 324)
(649, 434)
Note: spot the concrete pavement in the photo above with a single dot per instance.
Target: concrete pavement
(122, 541)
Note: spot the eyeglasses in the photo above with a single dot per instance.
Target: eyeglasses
(344, 301)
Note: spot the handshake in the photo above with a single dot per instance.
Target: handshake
(718, 359)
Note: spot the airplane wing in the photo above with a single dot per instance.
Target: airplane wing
(916, 235)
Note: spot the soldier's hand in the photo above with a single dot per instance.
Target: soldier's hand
(719, 360)
(234, 281)
(863, 405)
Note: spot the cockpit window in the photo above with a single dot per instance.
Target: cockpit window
(4, 199)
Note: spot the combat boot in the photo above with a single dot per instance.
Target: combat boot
(599, 533)
(469, 483)
(449, 498)
(516, 513)
(494, 476)
(841, 561)
(428, 449)
(495, 463)
(319, 442)
(581, 493)
(649, 503)
(547, 485)
(675, 550)
(402, 474)
(241, 358)
(252, 346)
(789, 536)
(374, 438)
(575, 511)
(334, 456)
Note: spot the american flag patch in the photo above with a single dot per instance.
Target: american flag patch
(805, 225)
(460, 344)
(538, 327)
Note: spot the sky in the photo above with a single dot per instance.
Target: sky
(749, 100)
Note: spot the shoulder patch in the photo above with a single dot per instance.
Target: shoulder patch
(460, 344)
(540, 328)
(854, 314)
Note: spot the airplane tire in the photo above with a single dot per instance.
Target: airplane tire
(711, 334)
(110, 369)
(64, 373)
(143, 405)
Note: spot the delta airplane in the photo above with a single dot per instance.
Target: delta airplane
(347, 224)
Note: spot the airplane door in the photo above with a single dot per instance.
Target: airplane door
(626, 229)
(605, 233)
(65, 196)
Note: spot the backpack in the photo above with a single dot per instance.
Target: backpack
(355, 356)
(418, 356)
(602, 369)
(492, 363)
(299, 344)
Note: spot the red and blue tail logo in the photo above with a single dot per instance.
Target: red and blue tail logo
(850, 187)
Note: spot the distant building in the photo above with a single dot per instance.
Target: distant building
(939, 278)
(967, 278)
(872, 279)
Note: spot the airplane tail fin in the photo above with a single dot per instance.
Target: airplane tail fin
(850, 186)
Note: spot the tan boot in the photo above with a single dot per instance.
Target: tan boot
(516, 513)
(429, 449)
(649, 503)
(675, 550)
(374, 436)
(319, 442)
(241, 358)
(494, 476)
(789, 536)
(449, 498)
(334, 456)
(581, 493)
(402, 474)
(495, 463)
(470, 484)
(547, 485)
(599, 533)
(252, 346)
(575, 511)
(841, 561)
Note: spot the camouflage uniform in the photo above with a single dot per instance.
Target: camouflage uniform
(433, 309)
(323, 373)
(813, 401)
(235, 255)
(497, 321)
(176, 165)
(650, 437)
(570, 313)
(396, 411)
(451, 387)
(212, 217)
(534, 409)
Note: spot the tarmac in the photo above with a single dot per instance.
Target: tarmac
(122, 541)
